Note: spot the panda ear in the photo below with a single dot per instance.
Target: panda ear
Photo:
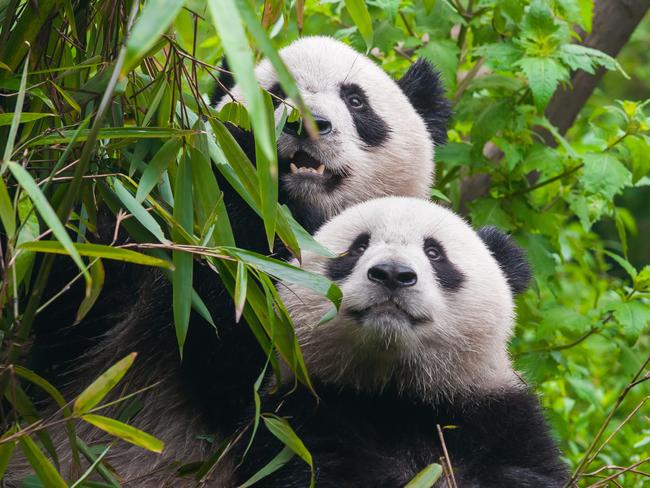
(511, 258)
(423, 87)
(225, 83)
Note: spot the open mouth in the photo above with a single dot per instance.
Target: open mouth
(303, 164)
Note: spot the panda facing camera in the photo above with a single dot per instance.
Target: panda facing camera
(420, 341)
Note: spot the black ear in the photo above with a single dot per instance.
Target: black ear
(423, 87)
(511, 258)
(225, 83)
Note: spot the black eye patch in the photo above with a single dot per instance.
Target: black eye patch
(371, 127)
(341, 267)
(277, 94)
(449, 277)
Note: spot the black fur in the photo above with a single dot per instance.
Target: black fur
(449, 277)
(423, 87)
(371, 127)
(511, 258)
(225, 83)
(342, 266)
(383, 441)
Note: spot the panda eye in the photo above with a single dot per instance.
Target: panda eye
(355, 101)
(433, 253)
(359, 249)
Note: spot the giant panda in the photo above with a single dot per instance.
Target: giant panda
(416, 355)
(377, 138)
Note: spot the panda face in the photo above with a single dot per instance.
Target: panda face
(373, 140)
(427, 309)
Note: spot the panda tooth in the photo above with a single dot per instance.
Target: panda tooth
(293, 168)
(321, 169)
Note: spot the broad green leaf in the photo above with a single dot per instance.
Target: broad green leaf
(49, 216)
(153, 21)
(624, 263)
(98, 251)
(125, 432)
(156, 167)
(99, 388)
(605, 175)
(426, 478)
(544, 75)
(42, 466)
(183, 262)
(7, 119)
(443, 54)
(358, 10)
(634, 316)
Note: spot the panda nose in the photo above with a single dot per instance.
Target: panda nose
(296, 129)
(392, 275)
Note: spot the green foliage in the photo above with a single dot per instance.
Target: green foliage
(98, 116)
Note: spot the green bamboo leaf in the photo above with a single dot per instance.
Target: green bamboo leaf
(267, 179)
(49, 216)
(99, 388)
(98, 275)
(42, 466)
(228, 22)
(7, 119)
(6, 451)
(65, 136)
(90, 469)
(426, 478)
(153, 21)
(287, 272)
(15, 117)
(240, 289)
(7, 211)
(138, 211)
(125, 432)
(358, 10)
(71, 101)
(282, 458)
(98, 251)
(156, 167)
(42, 383)
(281, 429)
(182, 276)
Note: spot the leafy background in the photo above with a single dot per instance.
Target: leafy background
(89, 115)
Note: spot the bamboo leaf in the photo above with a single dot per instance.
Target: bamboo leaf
(427, 477)
(153, 21)
(358, 10)
(182, 276)
(156, 167)
(282, 458)
(99, 388)
(240, 289)
(267, 179)
(98, 251)
(64, 136)
(43, 468)
(49, 216)
(125, 432)
(90, 469)
(281, 429)
(7, 119)
(138, 211)
(97, 274)
(7, 211)
(6, 451)
(15, 118)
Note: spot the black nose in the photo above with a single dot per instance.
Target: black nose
(392, 275)
(296, 129)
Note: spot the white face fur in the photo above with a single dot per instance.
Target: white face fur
(373, 142)
(426, 308)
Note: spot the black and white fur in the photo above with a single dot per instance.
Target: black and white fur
(384, 147)
(420, 341)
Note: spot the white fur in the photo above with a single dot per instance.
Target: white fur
(402, 165)
(459, 345)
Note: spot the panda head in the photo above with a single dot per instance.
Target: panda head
(376, 135)
(427, 302)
